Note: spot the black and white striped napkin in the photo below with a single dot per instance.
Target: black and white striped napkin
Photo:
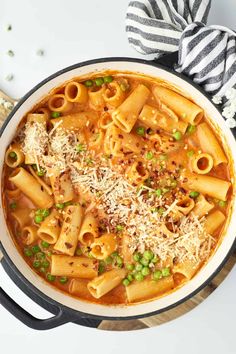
(207, 54)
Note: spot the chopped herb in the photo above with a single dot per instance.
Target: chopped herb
(101, 267)
(41, 172)
(158, 192)
(222, 203)
(60, 205)
(161, 210)
(80, 148)
(119, 228)
(10, 53)
(190, 153)
(13, 205)
(78, 252)
(191, 129)
(89, 161)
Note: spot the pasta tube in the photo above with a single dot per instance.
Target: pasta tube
(202, 163)
(14, 156)
(185, 205)
(187, 268)
(22, 216)
(212, 186)
(76, 92)
(155, 118)
(79, 287)
(126, 115)
(210, 144)
(49, 229)
(31, 188)
(103, 246)
(89, 230)
(104, 283)
(75, 121)
(202, 206)
(121, 140)
(113, 95)
(81, 267)
(29, 234)
(59, 103)
(183, 107)
(214, 221)
(137, 172)
(96, 98)
(68, 237)
(61, 185)
(138, 291)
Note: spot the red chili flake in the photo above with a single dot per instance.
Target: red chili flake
(120, 136)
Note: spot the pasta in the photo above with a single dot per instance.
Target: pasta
(126, 115)
(116, 188)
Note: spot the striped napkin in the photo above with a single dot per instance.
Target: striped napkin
(207, 54)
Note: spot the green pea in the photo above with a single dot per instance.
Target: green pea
(50, 277)
(191, 129)
(138, 267)
(107, 79)
(78, 252)
(35, 249)
(55, 114)
(144, 261)
(38, 219)
(36, 264)
(155, 259)
(60, 205)
(130, 266)
(193, 194)
(119, 261)
(190, 153)
(137, 256)
(139, 276)
(158, 192)
(28, 252)
(88, 83)
(130, 277)
(126, 282)
(41, 172)
(13, 205)
(119, 228)
(63, 280)
(45, 244)
(45, 212)
(163, 157)
(140, 131)
(99, 81)
(177, 135)
(148, 255)
(165, 272)
(157, 275)
(222, 203)
(149, 155)
(101, 267)
(13, 155)
(45, 264)
(145, 271)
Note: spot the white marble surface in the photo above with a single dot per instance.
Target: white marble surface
(71, 31)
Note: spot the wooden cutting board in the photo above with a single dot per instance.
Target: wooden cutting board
(167, 315)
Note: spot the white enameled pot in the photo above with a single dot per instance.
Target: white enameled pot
(96, 310)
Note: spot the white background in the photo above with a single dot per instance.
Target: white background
(69, 32)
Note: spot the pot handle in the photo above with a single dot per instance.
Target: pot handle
(168, 60)
(62, 316)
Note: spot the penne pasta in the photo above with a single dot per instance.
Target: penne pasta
(202, 206)
(61, 185)
(155, 119)
(105, 120)
(80, 267)
(185, 205)
(103, 246)
(96, 98)
(139, 291)
(210, 144)
(180, 105)
(68, 237)
(22, 216)
(212, 186)
(113, 95)
(29, 234)
(79, 287)
(76, 92)
(75, 121)
(49, 229)
(31, 188)
(59, 103)
(214, 221)
(104, 283)
(187, 268)
(14, 156)
(126, 115)
(89, 230)
(45, 186)
(202, 163)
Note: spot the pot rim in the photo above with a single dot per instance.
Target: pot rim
(26, 282)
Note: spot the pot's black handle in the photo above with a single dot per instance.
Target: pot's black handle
(168, 60)
(62, 316)
(59, 319)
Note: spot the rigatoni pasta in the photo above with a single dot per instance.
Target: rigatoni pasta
(116, 189)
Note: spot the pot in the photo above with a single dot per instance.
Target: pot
(64, 307)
